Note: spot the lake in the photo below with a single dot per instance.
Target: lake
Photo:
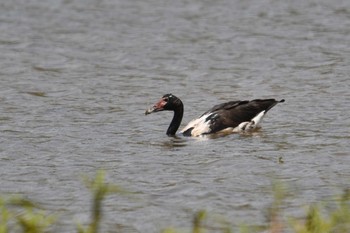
(77, 76)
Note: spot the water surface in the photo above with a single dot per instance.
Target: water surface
(77, 76)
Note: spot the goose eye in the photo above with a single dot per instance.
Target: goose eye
(166, 99)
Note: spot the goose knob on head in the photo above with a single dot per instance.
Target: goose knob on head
(233, 116)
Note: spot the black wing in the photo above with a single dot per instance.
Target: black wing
(227, 105)
(231, 114)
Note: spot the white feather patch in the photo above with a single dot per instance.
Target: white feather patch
(258, 118)
(199, 125)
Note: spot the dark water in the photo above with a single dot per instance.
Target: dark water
(77, 76)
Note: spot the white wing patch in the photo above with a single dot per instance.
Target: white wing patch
(200, 125)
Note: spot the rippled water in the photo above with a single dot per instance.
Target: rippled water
(77, 76)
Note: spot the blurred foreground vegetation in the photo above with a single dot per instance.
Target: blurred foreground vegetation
(18, 214)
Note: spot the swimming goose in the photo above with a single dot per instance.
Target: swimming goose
(233, 116)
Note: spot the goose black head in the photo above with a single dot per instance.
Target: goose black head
(167, 102)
